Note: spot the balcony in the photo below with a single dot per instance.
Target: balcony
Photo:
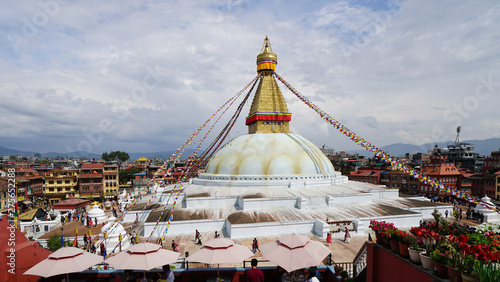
(90, 175)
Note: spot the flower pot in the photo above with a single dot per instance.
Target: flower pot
(379, 238)
(427, 262)
(467, 278)
(441, 269)
(394, 246)
(414, 255)
(403, 250)
(454, 274)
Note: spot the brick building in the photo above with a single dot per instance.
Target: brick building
(90, 180)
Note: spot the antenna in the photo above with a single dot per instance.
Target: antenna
(457, 140)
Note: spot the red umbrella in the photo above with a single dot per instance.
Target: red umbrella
(294, 252)
(220, 250)
(65, 260)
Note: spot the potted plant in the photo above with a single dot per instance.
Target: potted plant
(415, 250)
(488, 271)
(338, 269)
(405, 242)
(440, 261)
(344, 274)
(394, 238)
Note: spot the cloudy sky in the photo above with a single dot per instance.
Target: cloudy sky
(142, 76)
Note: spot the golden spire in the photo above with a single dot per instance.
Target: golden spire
(269, 112)
(266, 60)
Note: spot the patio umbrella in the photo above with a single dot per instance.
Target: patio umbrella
(220, 250)
(65, 260)
(142, 256)
(293, 252)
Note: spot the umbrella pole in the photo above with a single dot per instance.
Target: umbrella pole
(218, 279)
(67, 277)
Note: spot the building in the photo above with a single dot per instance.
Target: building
(60, 184)
(445, 172)
(110, 179)
(404, 182)
(497, 185)
(368, 175)
(90, 180)
(461, 154)
(492, 163)
(484, 184)
(141, 162)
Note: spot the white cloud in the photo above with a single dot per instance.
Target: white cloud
(392, 72)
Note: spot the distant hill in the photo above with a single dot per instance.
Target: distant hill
(81, 154)
(11, 152)
(482, 147)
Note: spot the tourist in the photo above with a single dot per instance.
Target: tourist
(315, 270)
(217, 235)
(255, 274)
(329, 238)
(85, 241)
(446, 213)
(103, 250)
(196, 235)
(254, 246)
(168, 275)
(136, 217)
(257, 244)
(90, 222)
(174, 246)
(199, 240)
(347, 236)
(96, 221)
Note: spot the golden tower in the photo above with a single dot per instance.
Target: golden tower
(268, 113)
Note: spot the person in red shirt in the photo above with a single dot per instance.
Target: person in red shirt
(254, 274)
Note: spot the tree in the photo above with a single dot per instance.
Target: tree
(54, 242)
(127, 174)
(122, 156)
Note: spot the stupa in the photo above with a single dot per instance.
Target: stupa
(272, 181)
(112, 239)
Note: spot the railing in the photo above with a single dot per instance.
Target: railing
(359, 261)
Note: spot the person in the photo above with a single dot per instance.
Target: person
(311, 277)
(315, 270)
(196, 235)
(254, 246)
(329, 238)
(174, 246)
(137, 217)
(347, 236)
(277, 274)
(199, 240)
(257, 244)
(216, 235)
(446, 213)
(90, 222)
(168, 275)
(96, 221)
(103, 250)
(85, 241)
(255, 274)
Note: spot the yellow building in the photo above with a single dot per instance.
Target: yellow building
(141, 161)
(110, 179)
(61, 184)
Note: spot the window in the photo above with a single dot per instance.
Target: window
(51, 182)
(59, 181)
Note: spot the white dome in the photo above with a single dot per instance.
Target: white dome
(96, 212)
(269, 154)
